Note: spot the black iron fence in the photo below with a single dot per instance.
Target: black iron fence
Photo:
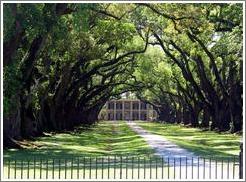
(123, 167)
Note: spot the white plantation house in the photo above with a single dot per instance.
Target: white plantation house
(127, 109)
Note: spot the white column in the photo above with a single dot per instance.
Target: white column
(114, 110)
(147, 112)
(106, 111)
(123, 110)
(139, 110)
(130, 110)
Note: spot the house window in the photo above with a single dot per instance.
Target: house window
(135, 116)
(127, 105)
(118, 105)
(135, 105)
(111, 105)
(143, 105)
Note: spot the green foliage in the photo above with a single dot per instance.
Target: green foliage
(155, 71)
(115, 32)
(8, 22)
(80, 19)
(33, 20)
(11, 85)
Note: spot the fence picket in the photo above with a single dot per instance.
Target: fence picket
(222, 169)
(144, 167)
(228, 164)
(47, 168)
(210, 168)
(120, 167)
(156, 168)
(15, 168)
(72, 168)
(198, 167)
(96, 167)
(34, 168)
(174, 166)
(126, 167)
(132, 166)
(8, 168)
(28, 167)
(40, 169)
(90, 168)
(59, 166)
(186, 160)
(53, 168)
(162, 167)
(114, 166)
(138, 168)
(180, 160)
(78, 168)
(108, 166)
(21, 169)
(65, 168)
(215, 168)
(84, 168)
(192, 167)
(102, 167)
(168, 167)
(150, 169)
(204, 164)
(195, 168)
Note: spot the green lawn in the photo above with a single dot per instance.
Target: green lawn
(105, 138)
(203, 143)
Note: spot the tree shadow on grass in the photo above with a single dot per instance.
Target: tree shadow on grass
(86, 141)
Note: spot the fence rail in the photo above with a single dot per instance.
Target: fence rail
(122, 167)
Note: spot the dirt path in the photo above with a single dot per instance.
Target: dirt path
(187, 162)
(162, 146)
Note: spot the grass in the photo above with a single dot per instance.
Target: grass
(202, 143)
(105, 138)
